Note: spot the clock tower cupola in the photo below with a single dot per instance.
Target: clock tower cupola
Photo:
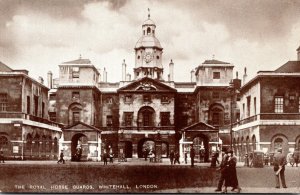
(148, 53)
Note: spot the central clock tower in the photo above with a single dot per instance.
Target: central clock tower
(148, 53)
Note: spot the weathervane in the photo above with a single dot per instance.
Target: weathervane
(148, 13)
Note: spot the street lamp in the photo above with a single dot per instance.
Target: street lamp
(231, 90)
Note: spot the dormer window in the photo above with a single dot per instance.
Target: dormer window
(216, 75)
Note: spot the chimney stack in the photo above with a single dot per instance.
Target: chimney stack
(193, 76)
(49, 79)
(128, 77)
(41, 80)
(171, 65)
(104, 75)
(124, 70)
(245, 76)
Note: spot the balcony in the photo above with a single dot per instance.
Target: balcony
(139, 128)
(20, 115)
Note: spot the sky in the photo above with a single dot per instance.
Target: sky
(38, 35)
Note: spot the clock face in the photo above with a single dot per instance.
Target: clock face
(148, 57)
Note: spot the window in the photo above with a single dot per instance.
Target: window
(254, 101)
(157, 57)
(139, 57)
(279, 104)
(28, 104)
(147, 98)
(36, 105)
(109, 100)
(52, 116)
(3, 102)
(128, 118)
(299, 104)
(248, 105)
(43, 109)
(164, 99)
(76, 117)
(109, 121)
(75, 72)
(148, 30)
(165, 118)
(75, 95)
(216, 75)
(128, 99)
(215, 95)
(52, 97)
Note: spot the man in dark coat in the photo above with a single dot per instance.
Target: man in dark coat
(176, 157)
(1, 156)
(230, 173)
(296, 157)
(105, 156)
(172, 155)
(192, 155)
(61, 160)
(279, 167)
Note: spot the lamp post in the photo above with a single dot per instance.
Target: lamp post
(231, 90)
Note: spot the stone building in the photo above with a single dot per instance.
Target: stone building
(270, 107)
(146, 113)
(25, 131)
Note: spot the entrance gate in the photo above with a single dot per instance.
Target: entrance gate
(79, 147)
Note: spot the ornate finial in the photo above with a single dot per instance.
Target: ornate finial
(148, 13)
(124, 60)
(79, 56)
(237, 74)
(213, 56)
(171, 61)
(245, 70)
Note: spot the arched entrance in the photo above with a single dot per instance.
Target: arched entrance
(79, 147)
(145, 146)
(279, 141)
(200, 144)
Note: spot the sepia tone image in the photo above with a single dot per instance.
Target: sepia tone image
(149, 96)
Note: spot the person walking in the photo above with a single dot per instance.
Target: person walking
(2, 156)
(185, 157)
(296, 157)
(192, 155)
(105, 156)
(111, 157)
(176, 158)
(279, 168)
(222, 172)
(230, 173)
(61, 159)
(172, 157)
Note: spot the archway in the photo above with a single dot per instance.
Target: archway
(279, 141)
(79, 147)
(297, 146)
(247, 145)
(145, 146)
(128, 149)
(3, 143)
(200, 144)
(254, 142)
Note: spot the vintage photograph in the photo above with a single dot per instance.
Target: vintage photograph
(149, 96)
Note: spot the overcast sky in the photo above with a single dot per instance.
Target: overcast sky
(38, 35)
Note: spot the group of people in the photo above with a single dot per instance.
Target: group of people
(174, 157)
(228, 176)
(107, 156)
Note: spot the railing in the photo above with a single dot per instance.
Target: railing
(139, 128)
(21, 115)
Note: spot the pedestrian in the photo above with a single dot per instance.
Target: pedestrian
(217, 156)
(192, 155)
(2, 156)
(266, 158)
(185, 157)
(251, 159)
(145, 154)
(213, 160)
(296, 157)
(279, 168)
(111, 157)
(61, 159)
(230, 173)
(105, 156)
(176, 157)
(172, 157)
(222, 170)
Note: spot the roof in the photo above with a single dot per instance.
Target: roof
(200, 126)
(148, 41)
(148, 22)
(78, 61)
(81, 126)
(214, 62)
(289, 67)
(5, 68)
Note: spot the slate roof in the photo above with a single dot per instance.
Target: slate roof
(5, 68)
(214, 62)
(289, 67)
(79, 61)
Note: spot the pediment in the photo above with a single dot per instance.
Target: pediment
(147, 85)
(201, 126)
(81, 127)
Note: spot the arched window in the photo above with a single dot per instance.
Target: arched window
(3, 142)
(75, 113)
(29, 142)
(216, 115)
(148, 30)
(146, 116)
